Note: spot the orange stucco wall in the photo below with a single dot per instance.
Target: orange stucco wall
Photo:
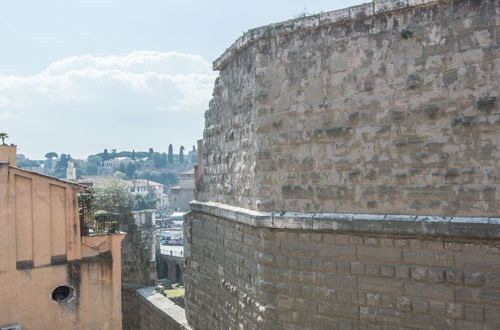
(8, 154)
(41, 249)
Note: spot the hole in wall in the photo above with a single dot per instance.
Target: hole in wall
(62, 293)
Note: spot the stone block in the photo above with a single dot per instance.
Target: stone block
(492, 280)
(477, 262)
(386, 286)
(427, 290)
(428, 258)
(473, 278)
(381, 254)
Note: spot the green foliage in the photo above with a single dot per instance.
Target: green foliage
(160, 160)
(25, 163)
(119, 175)
(168, 179)
(181, 155)
(3, 136)
(145, 202)
(90, 169)
(113, 196)
(122, 169)
(170, 154)
(62, 164)
(94, 159)
(303, 13)
(105, 155)
(130, 170)
(51, 155)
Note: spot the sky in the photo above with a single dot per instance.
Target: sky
(78, 76)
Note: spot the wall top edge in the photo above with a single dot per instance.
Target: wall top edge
(317, 20)
(466, 227)
(173, 312)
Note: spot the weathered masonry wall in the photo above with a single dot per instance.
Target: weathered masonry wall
(351, 174)
(389, 107)
(152, 311)
(258, 270)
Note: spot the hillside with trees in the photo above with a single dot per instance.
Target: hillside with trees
(162, 167)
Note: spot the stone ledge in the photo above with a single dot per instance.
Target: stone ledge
(314, 21)
(175, 314)
(464, 227)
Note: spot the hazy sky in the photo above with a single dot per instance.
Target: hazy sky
(78, 76)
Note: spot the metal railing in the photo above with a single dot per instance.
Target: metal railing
(95, 223)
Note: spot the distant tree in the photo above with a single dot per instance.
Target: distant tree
(151, 153)
(50, 156)
(145, 202)
(105, 155)
(156, 160)
(181, 155)
(130, 171)
(133, 154)
(119, 175)
(113, 153)
(95, 159)
(3, 136)
(113, 196)
(170, 154)
(168, 179)
(90, 168)
(61, 165)
(160, 160)
(122, 168)
(27, 163)
(194, 149)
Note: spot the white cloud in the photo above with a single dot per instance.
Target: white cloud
(171, 80)
(80, 105)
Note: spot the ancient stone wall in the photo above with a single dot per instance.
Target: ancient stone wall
(138, 267)
(258, 270)
(386, 114)
(388, 107)
(152, 311)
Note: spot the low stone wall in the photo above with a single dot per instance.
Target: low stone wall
(131, 318)
(260, 270)
(147, 310)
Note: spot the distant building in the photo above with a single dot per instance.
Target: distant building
(111, 165)
(52, 277)
(181, 195)
(117, 162)
(145, 187)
